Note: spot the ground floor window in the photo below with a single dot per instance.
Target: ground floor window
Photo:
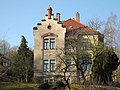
(49, 65)
(52, 65)
(45, 65)
(68, 63)
(86, 62)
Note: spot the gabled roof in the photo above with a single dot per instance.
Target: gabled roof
(84, 30)
(87, 29)
(77, 27)
(72, 24)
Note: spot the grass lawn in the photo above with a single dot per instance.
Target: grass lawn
(33, 86)
(18, 86)
(97, 87)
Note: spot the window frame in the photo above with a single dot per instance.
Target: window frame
(52, 43)
(86, 59)
(45, 44)
(52, 65)
(49, 43)
(85, 44)
(68, 65)
(45, 66)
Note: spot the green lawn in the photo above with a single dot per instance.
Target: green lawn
(18, 86)
(33, 86)
(97, 87)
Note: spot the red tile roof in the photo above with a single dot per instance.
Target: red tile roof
(72, 24)
(88, 29)
(84, 30)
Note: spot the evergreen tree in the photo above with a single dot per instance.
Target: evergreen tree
(23, 64)
(105, 63)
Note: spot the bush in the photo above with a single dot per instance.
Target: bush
(36, 80)
(45, 86)
(59, 85)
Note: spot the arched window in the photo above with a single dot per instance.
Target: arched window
(48, 42)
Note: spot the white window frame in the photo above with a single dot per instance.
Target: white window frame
(49, 43)
(45, 65)
(52, 65)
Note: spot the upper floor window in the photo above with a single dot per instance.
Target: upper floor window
(46, 43)
(52, 43)
(85, 44)
(49, 43)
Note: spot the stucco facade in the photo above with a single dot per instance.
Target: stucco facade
(49, 28)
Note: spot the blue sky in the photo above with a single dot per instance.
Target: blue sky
(18, 17)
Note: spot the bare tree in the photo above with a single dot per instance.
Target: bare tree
(64, 67)
(4, 47)
(74, 52)
(112, 34)
(4, 60)
(112, 31)
(79, 47)
(96, 24)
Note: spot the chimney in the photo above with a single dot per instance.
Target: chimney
(77, 17)
(49, 10)
(58, 17)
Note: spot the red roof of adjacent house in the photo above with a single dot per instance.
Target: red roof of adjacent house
(88, 29)
(72, 24)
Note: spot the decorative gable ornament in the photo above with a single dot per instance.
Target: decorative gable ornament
(49, 26)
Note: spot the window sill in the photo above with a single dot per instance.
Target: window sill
(50, 49)
(45, 71)
(52, 71)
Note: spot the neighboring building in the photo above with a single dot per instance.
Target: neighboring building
(51, 34)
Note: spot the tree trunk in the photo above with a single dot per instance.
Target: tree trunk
(68, 85)
(26, 77)
(78, 76)
(66, 80)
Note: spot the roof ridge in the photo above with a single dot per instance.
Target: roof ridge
(76, 21)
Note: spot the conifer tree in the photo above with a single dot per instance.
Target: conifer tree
(23, 64)
(105, 63)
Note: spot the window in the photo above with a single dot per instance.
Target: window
(85, 44)
(46, 80)
(86, 60)
(49, 43)
(52, 65)
(46, 42)
(1, 62)
(68, 64)
(52, 43)
(45, 65)
(49, 65)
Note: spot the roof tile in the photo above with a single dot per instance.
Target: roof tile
(72, 24)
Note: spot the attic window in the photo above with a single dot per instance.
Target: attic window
(49, 26)
(70, 27)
